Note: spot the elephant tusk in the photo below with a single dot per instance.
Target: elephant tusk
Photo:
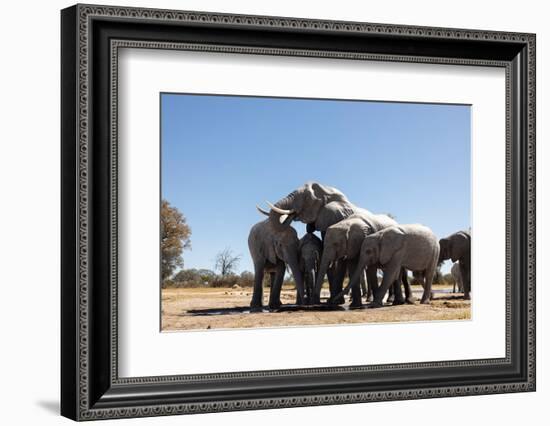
(262, 211)
(279, 210)
(282, 218)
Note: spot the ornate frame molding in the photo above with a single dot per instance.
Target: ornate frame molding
(80, 19)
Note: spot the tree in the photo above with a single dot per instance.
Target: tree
(175, 237)
(226, 261)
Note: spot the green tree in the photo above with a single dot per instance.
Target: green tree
(175, 237)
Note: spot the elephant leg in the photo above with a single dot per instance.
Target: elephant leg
(370, 295)
(257, 294)
(465, 271)
(398, 293)
(298, 279)
(356, 289)
(422, 277)
(337, 285)
(409, 298)
(428, 279)
(391, 294)
(391, 273)
(372, 282)
(363, 278)
(276, 285)
(323, 270)
(330, 276)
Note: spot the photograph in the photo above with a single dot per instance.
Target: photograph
(294, 212)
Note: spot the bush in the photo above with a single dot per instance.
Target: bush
(187, 278)
(228, 280)
(246, 279)
(168, 283)
(199, 278)
(448, 279)
(193, 278)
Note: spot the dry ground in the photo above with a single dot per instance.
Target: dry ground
(176, 302)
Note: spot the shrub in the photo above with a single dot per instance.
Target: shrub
(189, 278)
(246, 279)
(228, 280)
(168, 283)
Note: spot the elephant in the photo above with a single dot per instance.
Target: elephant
(457, 276)
(272, 246)
(342, 245)
(310, 249)
(321, 206)
(315, 204)
(413, 247)
(457, 248)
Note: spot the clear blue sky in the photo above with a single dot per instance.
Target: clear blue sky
(222, 155)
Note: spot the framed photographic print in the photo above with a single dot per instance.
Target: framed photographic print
(263, 212)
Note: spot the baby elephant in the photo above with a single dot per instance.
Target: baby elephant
(311, 249)
(273, 246)
(413, 247)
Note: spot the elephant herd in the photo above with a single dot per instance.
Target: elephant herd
(354, 242)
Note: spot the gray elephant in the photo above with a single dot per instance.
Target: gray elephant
(343, 244)
(318, 205)
(272, 246)
(457, 248)
(457, 277)
(321, 206)
(311, 249)
(413, 247)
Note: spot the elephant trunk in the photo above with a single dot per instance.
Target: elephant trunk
(309, 281)
(286, 203)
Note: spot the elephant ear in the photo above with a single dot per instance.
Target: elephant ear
(460, 245)
(326, 193)
(355, 237)
(391, 241)
(444, 250)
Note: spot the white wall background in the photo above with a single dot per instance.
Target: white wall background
(29, 217)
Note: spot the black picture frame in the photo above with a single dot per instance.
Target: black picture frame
(90, 386)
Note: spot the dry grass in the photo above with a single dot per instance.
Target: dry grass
(177, 302)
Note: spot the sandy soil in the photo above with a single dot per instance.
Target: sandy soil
(176, 304)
